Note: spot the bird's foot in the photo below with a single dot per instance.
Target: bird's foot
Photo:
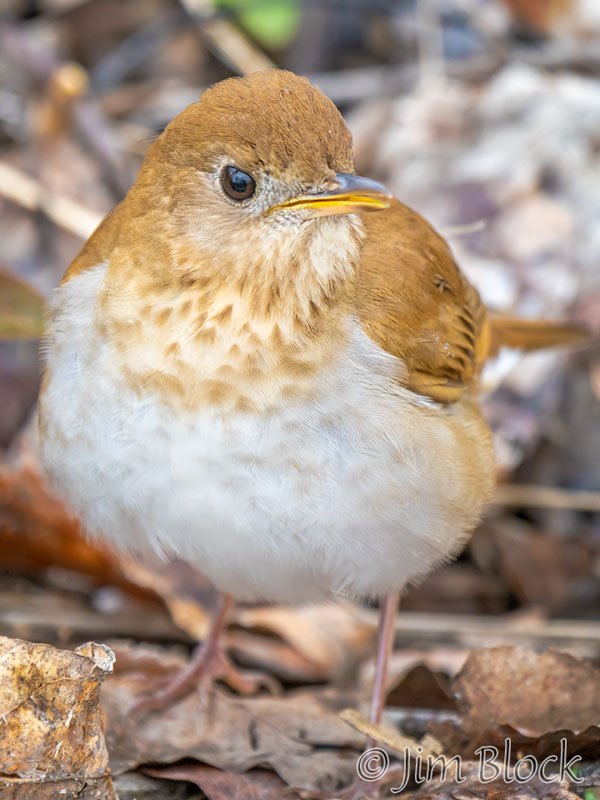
(209, 663)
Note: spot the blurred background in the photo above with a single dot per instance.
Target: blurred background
(484, 115)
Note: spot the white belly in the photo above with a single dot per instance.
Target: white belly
(357, 493)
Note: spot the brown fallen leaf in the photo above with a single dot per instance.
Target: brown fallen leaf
(258, 784)
(185, 592)
(534, 693)
(421, 687)
(50, 721)
(539, 702)
(457, 588)
(299, 736)
(272, 655)
(413, 672)
(541, 569)
(334, 636)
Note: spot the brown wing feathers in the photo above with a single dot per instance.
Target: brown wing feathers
(415, 303)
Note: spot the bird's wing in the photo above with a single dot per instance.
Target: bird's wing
(414, 302)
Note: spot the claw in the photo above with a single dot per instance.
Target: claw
(208, 664)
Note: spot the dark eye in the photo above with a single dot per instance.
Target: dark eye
(237, 184)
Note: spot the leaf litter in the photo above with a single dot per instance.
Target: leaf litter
(51, 736)
(506, 163)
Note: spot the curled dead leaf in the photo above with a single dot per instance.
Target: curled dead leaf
(50, 721)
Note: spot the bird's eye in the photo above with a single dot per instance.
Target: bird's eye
(237, 184)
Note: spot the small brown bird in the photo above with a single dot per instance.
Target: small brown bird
(247, 371)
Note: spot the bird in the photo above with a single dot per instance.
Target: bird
(268, 366)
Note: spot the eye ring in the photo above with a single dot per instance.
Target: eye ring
(236, 184)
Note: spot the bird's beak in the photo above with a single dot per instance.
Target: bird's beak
(349, 194)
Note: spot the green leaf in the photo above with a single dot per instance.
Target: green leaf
(21, 309)
(273, 23)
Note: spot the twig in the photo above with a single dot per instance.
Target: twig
(225, 40)
(419, 719)
(574, 636)
(68, 214)
(23, 619)
(424, 631)
(530, 496)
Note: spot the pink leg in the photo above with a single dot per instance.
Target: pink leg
(361, 789)
(387, 616)
(207, 664)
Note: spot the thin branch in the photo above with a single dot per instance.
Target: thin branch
(575, 636)
(529, 496)
(28, 193)
(225, 40)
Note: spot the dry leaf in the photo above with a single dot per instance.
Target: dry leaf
(542, 570)
(300, 736)
(421, 687)
(218, 785)
(184, 591)
(534, 693)
(271, 654)
(540, 702)
(50, 721)
(333, 636)
(533, 226)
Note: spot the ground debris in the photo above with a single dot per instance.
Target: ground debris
(216, 784)
(535, 693)
(51, 736)
(524, 703)
(300, 736)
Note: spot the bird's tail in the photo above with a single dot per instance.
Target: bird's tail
(527, 335)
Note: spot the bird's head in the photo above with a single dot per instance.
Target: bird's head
(231, 261)
(259, 172)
